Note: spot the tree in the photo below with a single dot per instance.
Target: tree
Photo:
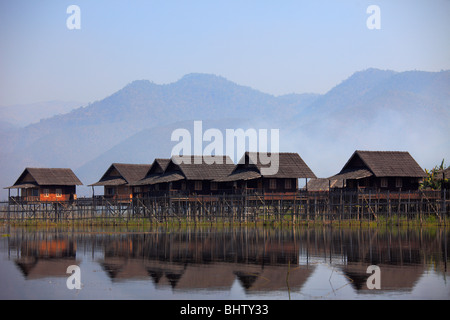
(434, 178)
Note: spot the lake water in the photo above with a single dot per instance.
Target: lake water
(220, 263)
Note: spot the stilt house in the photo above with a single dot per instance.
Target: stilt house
(46, 185)
(145, 187)
(118, 178)
(194, 175)
(381, 171)
(248, 174)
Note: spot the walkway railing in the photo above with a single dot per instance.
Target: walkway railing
(293, 207)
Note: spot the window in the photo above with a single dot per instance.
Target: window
(272, 184)
(198, 185)
(183, 185)
(34, 192)
(398, 182)
(110, 191)
(46, 192)
(58, 193)
(288, 184)
(214, 185)
(384, 182)
(137, 189)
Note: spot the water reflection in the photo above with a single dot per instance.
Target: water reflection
(44, 257)
(260, 260)
(206, 259)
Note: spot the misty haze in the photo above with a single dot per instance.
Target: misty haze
(373, 109)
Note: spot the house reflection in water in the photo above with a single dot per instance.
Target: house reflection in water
(400, 261)
(257, 259)
(391, 277)
(260, 260)
(48, 257)
(187, 261)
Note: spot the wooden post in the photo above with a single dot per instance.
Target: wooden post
(389, 205)
(307, 207)
(329, 199)
(9, 200)
(294, 213)
(445, 202)
(342, 207)
(407, 208)
(315, 207)
(351, 205)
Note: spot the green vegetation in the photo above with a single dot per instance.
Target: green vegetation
(434, 178)
(272, 221)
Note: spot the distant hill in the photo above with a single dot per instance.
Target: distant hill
(26, 114)
(372, 109)
(380, 110)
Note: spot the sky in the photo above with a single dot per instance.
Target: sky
(277, 47)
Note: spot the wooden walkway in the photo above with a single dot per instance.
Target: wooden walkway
(299, 207)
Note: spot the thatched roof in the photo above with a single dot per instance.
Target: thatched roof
(156, 170)
(443, 174)
(323, 184)
(383, 164)
(168, 177)
(123, 173)
(110, 181)
(240, 175)
(355, 173)
(196, 168)
(286, 165)
(34, 177)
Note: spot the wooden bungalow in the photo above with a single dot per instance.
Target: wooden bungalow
(248, 174)
(145, 186)
(118, 179)
(46, 185)
(195, 177)
(381, 171)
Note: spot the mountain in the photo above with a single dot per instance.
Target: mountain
(25, 114)
(84, 134)
(372, 109)
(381, 110)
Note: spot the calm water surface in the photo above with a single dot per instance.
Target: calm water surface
(224, 263)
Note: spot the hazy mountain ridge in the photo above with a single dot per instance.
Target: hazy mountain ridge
(372, 109)
(372, 92)
(25, 114)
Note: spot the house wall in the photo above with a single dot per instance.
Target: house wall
(30, 194)
(55, 193)
(385, 184)
(189, 187)
(192, 186)
(118, 192)
(152, 190)
(280, 185)
(269, 185)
